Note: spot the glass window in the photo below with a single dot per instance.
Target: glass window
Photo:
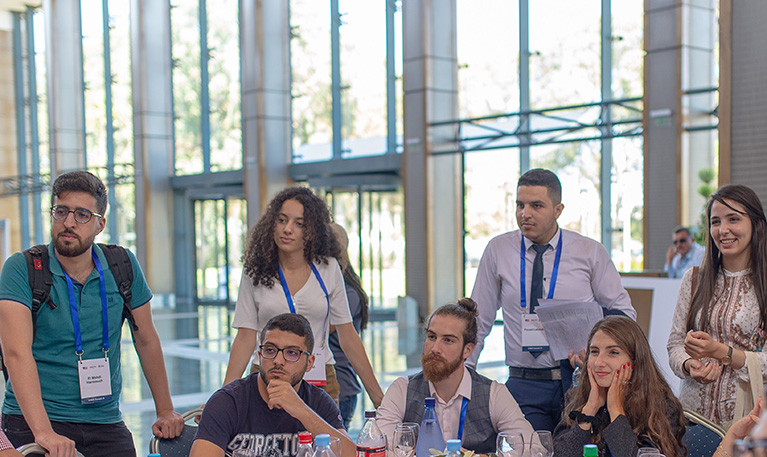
(187, 102)
(93, 74)
(627, 191)
(490, 202)
(577, 165)
(310, 70)
(627, 41)
(363, 77)
(565, 52)
(488, 57)
(224, 86)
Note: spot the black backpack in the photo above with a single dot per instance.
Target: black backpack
(40, 281)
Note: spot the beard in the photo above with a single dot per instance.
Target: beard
(72, 248)
(436, 368)
(294, 378)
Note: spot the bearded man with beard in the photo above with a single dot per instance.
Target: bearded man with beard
(264, 412)
(65, 377)
(469, 406)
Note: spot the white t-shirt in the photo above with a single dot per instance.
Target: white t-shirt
(256, 305)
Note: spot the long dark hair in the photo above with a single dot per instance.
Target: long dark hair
(350, 276)
(703, 297)
(261, 260)
(649, 404)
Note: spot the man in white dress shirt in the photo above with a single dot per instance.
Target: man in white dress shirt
(469, 406)
(540, 260)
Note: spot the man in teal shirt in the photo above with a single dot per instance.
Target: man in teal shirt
(65, 378)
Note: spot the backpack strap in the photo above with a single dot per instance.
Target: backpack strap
(122, 270)
(40, 282)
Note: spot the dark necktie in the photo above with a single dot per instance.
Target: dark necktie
(536, 291)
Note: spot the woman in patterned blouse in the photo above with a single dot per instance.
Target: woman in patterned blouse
(721, 309)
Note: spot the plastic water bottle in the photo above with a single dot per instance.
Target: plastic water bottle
(304, 445)
(590, 450)
(453, 448)
(371, 442)
(322, 446)
(576, 376)
(430, 434)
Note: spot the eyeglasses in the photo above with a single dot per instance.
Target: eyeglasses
(82, 215)
(683, 240)
(290, 354)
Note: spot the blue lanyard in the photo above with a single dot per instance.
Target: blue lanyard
(290, 299)
(464, 406)
(75, 314)
(523, 298)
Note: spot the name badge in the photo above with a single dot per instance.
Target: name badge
(533, 335)
(317, 375)
(95, 380)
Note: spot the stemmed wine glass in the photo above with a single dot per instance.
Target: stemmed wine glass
(510, 444)
(541, 444)
(404, 440)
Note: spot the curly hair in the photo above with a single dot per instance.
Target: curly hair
(651, 408)
(261, 260)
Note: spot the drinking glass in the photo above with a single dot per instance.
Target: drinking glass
(541, 444)
(404, 440)
(335, 445)
(510, 445)
(412, 425)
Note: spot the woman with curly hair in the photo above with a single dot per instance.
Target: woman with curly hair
(290, 265)
(719, 329)
(624, 403)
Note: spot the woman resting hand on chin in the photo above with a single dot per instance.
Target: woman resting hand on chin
(624, 403)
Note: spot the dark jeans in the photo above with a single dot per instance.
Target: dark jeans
(541, 401)
(92, 440)
(347, 406)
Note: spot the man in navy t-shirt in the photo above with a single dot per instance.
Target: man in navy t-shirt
(264, 412)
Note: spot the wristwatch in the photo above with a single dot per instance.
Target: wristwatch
(727, 360)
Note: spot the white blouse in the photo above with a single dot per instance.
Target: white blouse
(256, 305)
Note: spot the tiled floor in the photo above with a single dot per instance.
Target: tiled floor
(196, 348)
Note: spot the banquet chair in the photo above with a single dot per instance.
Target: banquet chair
(180, 445)
(702, 436)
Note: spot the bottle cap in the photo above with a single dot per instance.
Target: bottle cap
(304, 438)
(370, 413)
(323, 439)
(453, 445)
(429, 401)
(590, 450)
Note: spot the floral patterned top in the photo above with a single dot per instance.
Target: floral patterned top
(734, 322)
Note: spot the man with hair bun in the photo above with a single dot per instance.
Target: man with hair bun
(451, 333)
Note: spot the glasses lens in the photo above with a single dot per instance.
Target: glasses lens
(59, 212)
(291, 355)
(269, 352)
(82, 216)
